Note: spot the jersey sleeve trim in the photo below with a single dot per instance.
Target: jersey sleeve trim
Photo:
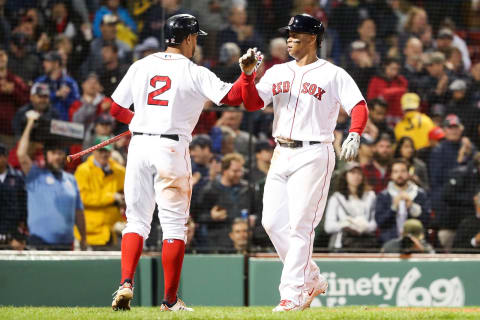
(120, 113)
(359, 117)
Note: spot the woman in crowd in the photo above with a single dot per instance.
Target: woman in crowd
(350, 212)
(416, 167)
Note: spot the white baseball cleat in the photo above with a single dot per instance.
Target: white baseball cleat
(320, 286)
(286, 305)
(178, 306)
(123, 296)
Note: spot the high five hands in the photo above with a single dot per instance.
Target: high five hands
(250, 61)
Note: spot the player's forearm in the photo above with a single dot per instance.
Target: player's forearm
(22, 149)
(250, 97)
(121, 114)
(24, 140)
(359, 116)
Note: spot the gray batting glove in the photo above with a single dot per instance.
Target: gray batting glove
(350, 146)
(250, 61)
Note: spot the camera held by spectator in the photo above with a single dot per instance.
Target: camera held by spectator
(411, 241)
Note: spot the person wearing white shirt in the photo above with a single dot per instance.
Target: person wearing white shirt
(350, 217)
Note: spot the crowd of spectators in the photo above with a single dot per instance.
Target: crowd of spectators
(415, 185)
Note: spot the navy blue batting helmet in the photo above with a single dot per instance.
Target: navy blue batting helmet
(305, 23)
(179, 26)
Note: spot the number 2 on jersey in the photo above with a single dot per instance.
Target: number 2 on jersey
(159, 91)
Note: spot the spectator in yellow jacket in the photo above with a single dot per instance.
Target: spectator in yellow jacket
(414, 124)
(100, 180)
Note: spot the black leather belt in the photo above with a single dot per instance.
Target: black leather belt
(168, 136)
(296, 143)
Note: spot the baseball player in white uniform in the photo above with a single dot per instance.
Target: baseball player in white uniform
(307, 94)
(168, 92)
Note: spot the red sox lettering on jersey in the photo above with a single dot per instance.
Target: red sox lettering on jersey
(306, 99)
(310, 88)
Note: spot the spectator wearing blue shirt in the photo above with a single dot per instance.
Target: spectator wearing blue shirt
(112, 7)
(13, 211)
(63, 89)
(54, 203)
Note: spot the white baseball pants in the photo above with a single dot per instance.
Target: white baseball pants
(158, 170)
(294, 199)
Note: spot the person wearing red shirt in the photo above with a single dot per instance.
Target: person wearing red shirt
(13, 94)
(389, 85)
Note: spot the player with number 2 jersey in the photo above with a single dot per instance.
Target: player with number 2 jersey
(168, 92)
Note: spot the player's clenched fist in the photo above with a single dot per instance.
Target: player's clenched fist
(250, 61)
(350, 146)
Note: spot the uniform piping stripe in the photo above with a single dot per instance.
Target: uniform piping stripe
(315, 217)
(189, 189)
(298, 97)
(290, 95)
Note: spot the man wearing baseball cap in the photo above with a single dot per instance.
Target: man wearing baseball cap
(361, 65)
(54, 204)
(461, 104)
(40, 102)
(451, 153)
(414, 124)
(435, 136)
(63, 89)
(108, 30)
(411, 240)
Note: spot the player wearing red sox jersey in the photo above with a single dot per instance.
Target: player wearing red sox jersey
(307, 94)
(168, 92)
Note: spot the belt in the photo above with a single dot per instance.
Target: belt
(297, 143)
(168, 136)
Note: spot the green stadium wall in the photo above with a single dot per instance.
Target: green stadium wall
(382, 282)
(220, 280)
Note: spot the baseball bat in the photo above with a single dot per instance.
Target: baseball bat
(77, 155)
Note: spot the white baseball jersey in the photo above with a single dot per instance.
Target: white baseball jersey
(306, 100)
(168, 92)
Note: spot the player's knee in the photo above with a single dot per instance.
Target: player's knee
(174, 231)
(139, 228)
(300, 228)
